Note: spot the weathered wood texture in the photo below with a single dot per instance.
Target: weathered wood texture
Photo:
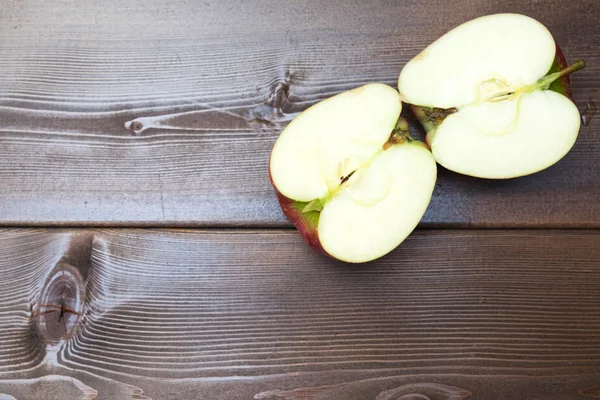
(258, 315)
(163, 113)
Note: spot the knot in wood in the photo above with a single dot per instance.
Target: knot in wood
(135, 126)
(280, 94)
(60, 305)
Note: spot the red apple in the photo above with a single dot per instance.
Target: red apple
(350, 177)
(494, 97)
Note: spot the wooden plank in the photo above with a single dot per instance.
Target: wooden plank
(206, 87)
(257, 315)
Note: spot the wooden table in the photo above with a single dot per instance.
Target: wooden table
(144, 254)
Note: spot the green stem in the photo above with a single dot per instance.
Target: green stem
(548, 79)
(542, 83)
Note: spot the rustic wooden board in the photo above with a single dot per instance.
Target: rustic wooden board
(257, 315)
(162, 113)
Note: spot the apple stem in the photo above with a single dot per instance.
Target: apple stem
(542, 83)
(548, 79)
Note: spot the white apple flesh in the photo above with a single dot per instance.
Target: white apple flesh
(352, 181)
(501, 121)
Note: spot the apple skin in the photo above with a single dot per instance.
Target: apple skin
(306, 223)
(562, 86)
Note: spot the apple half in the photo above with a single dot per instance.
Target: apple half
(493, 95)
(349, 176)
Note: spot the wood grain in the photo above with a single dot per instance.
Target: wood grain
(164, 113)
(239, 314)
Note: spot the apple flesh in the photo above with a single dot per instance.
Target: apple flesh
(491, 98)
(349, 176)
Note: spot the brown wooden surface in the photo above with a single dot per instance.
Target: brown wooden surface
(205, 87)
(155, 113)
(258, 315)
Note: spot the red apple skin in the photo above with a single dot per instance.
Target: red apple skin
(293, 211)
(562, 86)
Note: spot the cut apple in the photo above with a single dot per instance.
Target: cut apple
(350, 177)
(492, 95)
